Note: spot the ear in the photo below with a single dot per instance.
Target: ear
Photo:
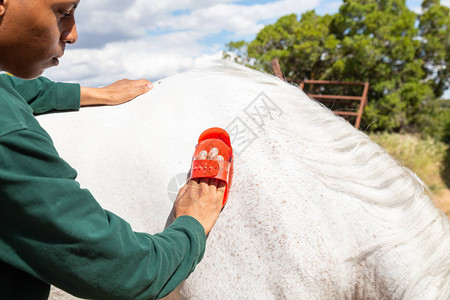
(2, 7)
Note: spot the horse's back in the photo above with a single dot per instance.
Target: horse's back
(290, 225)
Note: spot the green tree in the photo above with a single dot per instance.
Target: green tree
(379, 45)
(404, 56)
(434, 32)
(304, 48)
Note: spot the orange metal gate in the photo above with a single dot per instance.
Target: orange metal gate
(349, 113)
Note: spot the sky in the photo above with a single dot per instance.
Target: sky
(155, 39)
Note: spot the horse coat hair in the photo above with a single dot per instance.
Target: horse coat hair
(316, 210)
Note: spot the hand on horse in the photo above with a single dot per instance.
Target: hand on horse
(202, 198)
(117, 93)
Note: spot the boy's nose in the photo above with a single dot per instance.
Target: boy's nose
(70, 36)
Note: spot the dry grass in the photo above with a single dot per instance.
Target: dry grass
(427, 157)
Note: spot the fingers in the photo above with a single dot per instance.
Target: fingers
(142, 82)
(214, 182)
(127, 83)
(138, 87)
(212, 154)
(204, 181)
(139, 90)
(125, 90)
(194, 182)
(221, 187)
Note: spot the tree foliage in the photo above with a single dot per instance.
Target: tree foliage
(404, 56)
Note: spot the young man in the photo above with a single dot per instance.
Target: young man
(51, 231)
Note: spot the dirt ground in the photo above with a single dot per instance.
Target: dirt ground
(442, 201)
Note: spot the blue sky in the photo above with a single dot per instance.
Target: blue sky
(155, 39)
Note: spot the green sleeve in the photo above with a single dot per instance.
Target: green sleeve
(44, 95)
(55, 231)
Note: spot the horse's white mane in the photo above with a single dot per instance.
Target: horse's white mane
(304, 169)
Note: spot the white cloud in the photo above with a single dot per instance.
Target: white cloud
(240, 19)
(154, 39)
(122, 20)
(150, 58)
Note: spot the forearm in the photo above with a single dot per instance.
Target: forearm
(92, 96)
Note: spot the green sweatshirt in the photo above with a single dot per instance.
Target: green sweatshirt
(54, 232)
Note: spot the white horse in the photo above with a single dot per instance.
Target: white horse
(316, 210)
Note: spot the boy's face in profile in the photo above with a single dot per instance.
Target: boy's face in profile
(33, 34)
